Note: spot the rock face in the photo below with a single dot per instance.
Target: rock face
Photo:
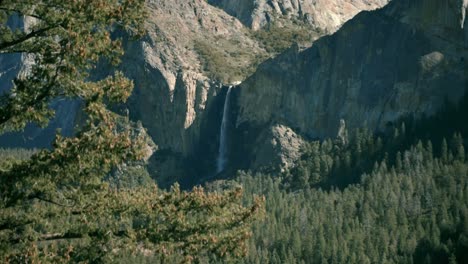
(404, 59)
(192, 47)
(10, 64)
(172, 87)
(179, 68)
(327, 15)
(173, 84)
(18, 65)
(278, 148)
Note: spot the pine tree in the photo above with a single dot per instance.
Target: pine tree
(398, 162)
(444, 150)
(57, 206)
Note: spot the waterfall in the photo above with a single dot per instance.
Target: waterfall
(222, 153)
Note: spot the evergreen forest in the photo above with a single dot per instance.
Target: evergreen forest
(99, 193)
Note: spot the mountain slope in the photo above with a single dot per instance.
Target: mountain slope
(325, 15)
(180, 68)
(404, 59)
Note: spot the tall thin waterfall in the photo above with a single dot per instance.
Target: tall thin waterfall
(222, 154)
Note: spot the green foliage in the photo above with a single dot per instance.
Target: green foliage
(130, 177)
(335, 163)
(66, 41)
(227, 60)
(8, 157)
(415, 214)
(226, 64)
(101, 224)
(276, 38)
(56, 206)
(388, 198)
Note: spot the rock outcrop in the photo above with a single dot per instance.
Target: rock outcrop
(179, 68)
(10, 64)
(326, 15)
(172, 86)
(19, 65)
(404, 59)
(192, 47)
(279, 147)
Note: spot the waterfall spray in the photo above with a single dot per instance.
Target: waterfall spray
(222, 154)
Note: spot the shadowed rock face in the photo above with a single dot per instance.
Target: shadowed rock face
(279, 148)
(382, 64)
(175, 96)
(13, 65)
(10, 64)
(404, 59)
(173, 90)
(327, 15)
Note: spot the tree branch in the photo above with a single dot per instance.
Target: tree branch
(7, 115)
(10, 226)
(53, 202)
(72, 235)
(8, 44)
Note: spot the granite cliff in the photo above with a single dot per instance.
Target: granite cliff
(173, 85)
(191, 51)
(404, 59)
(325, 15)
(13, 65)
(180, 69)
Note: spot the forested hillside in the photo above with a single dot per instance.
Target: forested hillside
(413, 214)
(238, 131)
(375, 199)
(394, 197)
(57, 204)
